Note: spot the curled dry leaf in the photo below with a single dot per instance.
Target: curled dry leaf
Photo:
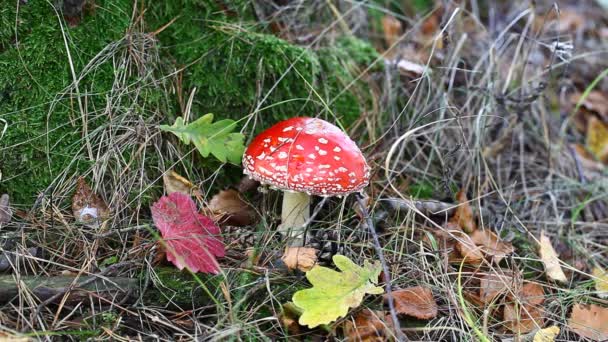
(467, 248)
(596, 102)
(531, 294)
(463, 216)
(415, 301)
(492, 286)
(589, 321)
(368, 326)
(550, 259)
(289, 318)
(88, 208)
(301, 258)
(547, 334)
(601, 282)
(230, 209)
(5, 210)
(392, 29)
(176, 183)
(491, 244)
(597, 139)
(522, 319)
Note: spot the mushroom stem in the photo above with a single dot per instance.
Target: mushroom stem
(294, 216)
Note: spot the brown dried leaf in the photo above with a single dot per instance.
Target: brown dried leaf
(597, 139)
(491, 244)
(463, 216)
(550, 259)
(587, 160)
(289, 318)
(5, 210)
(532, 294)
(176, 183)
(392, 29)
(522, 319)
(415, 301)
(301, 258)
(368, 326)
(88, 208)
(492, 286)
(230, 209)
(596, 101)
(469, 251)
(589, 321)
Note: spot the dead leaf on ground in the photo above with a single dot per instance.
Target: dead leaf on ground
(415, 301)
(463, 216)
(289, 318)
(532, 294)
(301, 258)
(601, 282)
(368, 326)
(467, 248)
(589, 321)
(230, 209)
(547, 334)
(392, 29)
(597, 139)
(5, 210)
(176, 183)
(88, 208)
(596, 102)
(587, 161)
(493, 285)
(491, 244)
(522, 319)
(550, 259)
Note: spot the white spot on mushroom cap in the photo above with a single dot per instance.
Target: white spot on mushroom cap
(322, 152)
(323, 140)
(300, 147)
(282, 155)
(287, 129)
(337, 149)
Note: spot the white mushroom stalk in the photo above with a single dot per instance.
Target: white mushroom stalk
(305, 156)
(294, 216)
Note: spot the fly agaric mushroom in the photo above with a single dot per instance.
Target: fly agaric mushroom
(305, 156)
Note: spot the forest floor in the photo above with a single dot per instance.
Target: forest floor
(485, 125)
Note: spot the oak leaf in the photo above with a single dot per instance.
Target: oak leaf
(550, 259)
(333, 293)
(191, 239)
(214, 138)
(415, 301)
(589, 321)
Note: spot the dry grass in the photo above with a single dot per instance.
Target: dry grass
(489, 116)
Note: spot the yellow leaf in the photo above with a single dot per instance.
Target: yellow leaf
(547, 334)
(597, 139)
(550, 259)
(333, 293)
(601, 282)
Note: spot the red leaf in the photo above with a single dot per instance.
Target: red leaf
(192, 239)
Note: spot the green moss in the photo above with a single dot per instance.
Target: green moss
(43, 130)
(233, 62)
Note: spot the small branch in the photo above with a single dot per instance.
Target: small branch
(387, 276)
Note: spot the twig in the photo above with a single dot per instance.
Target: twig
(387, 276)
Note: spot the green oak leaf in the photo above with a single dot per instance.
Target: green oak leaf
(333, 293)
(210, 137)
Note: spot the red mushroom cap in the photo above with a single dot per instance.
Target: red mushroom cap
(307, 155)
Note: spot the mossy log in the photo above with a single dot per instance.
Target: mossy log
(172, 288)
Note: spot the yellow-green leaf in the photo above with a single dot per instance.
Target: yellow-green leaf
(333, 292)
(597, 139)
(547, 334)
(601, 282)
(210, 138)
